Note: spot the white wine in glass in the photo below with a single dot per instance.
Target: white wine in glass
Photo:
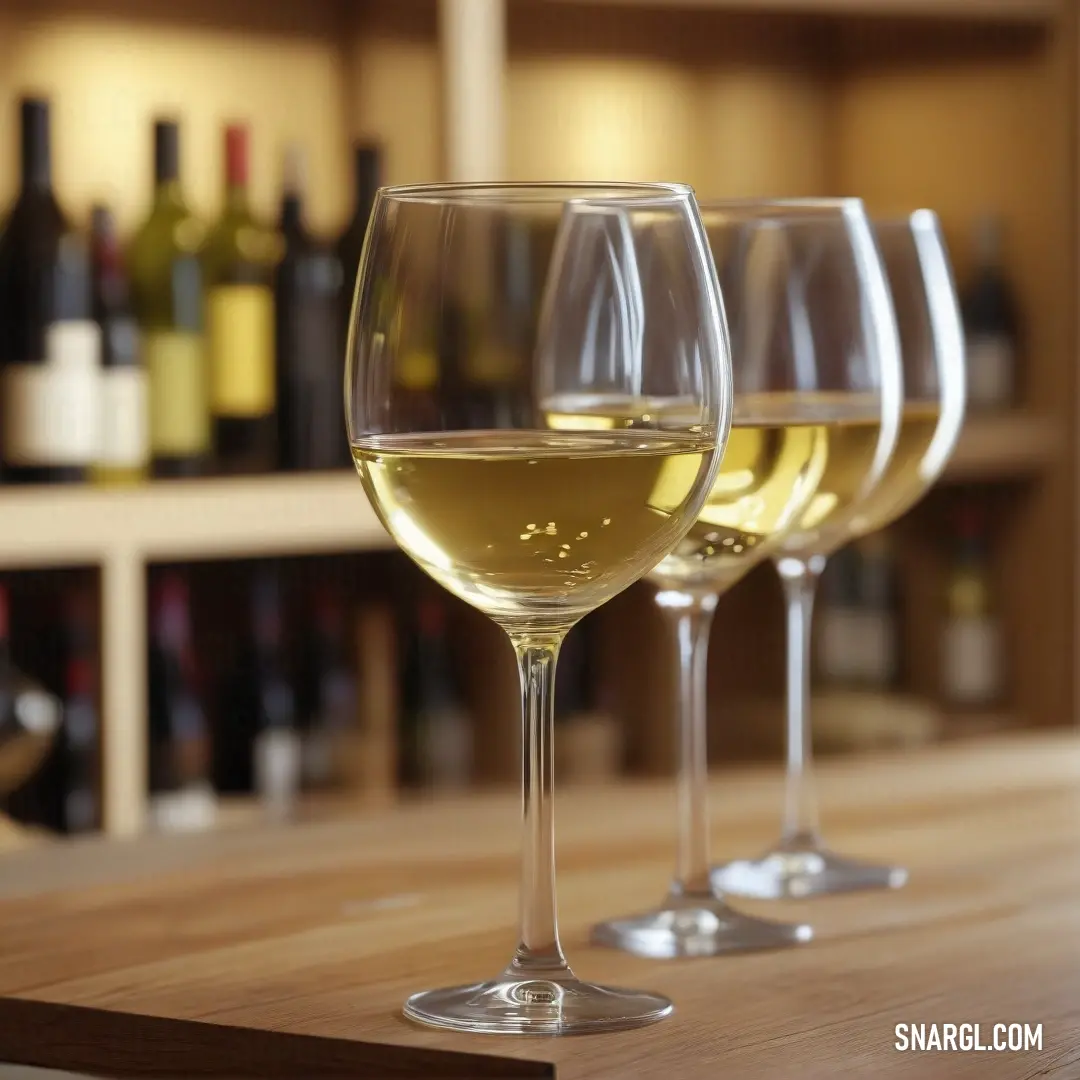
(931, 354)
(536, 527)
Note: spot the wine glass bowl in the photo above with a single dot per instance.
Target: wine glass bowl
(484, 314)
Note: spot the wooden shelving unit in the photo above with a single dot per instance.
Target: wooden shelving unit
(1022, 12)
(302, 514)
(960, 105)
(1009, 446)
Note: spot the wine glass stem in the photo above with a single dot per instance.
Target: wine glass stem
(691, 618)
(800, 578)
(539, 954)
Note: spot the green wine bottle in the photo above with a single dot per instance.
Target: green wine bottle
(167, 292)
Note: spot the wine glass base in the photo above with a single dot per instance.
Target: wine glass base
(794, 874)
(514, 1006)
(696, 925)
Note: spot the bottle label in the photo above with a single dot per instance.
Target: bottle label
(51, 410)
(972, 661)
(124, 436)
(990, 363)
(240, 321)
(179, 394)
(277, 769)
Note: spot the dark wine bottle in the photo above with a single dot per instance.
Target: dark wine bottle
(30, 720)
(991, 324)
(878, 619)
(239, 267)
(50, 346)
(588, 746)
(310, 350)
(167, 289)
(328, 696)
(81, 754)
(488, 364)
(125, 449)
(259, 746)
(436, 739)
(181, 793)
(367, 172)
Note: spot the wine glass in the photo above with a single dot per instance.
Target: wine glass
(931, 351)
(800, 366)
(536, 526)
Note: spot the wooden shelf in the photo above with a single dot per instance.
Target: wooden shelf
(188, 519)
(1004, 447)
(320, 512)
(1028, 12)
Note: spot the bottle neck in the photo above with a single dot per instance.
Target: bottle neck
(168, 194)
(236, 198)
(36, 155)
(292, 214)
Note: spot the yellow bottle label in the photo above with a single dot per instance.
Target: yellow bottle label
(240, 324)
(179, 394)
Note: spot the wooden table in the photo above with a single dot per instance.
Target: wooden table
(274, 953)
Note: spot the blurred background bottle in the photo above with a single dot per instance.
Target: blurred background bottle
(436, 734)
(972, 649)
(50, 346)
(309, 344)
(239, 267)
(991, 323)
(124, 450)
(167, 288)
(181, 791)
(327, 699)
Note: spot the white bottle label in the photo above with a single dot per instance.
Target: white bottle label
(972, 673)
(990, 362)
(125, 431)
(277, 770)
(51, 410)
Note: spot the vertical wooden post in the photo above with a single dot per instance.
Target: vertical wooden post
(123, 675)
(473, 40)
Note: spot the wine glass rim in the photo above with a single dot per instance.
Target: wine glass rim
(922, 219)
(845, 202)
(464, 192)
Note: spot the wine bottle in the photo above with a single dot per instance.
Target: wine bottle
(328, 707)
(838, 649)
(436, 736)
(50, 346)
(588, 744)
(495, 396)
(167, 290)
(991, 324)
(124, 451)
(81, 735)
(239, 267)
(181, 792)
(877, 635)
(310, 350)
(972, 654)
(30, 720)
(276, 752)
(367, 166)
